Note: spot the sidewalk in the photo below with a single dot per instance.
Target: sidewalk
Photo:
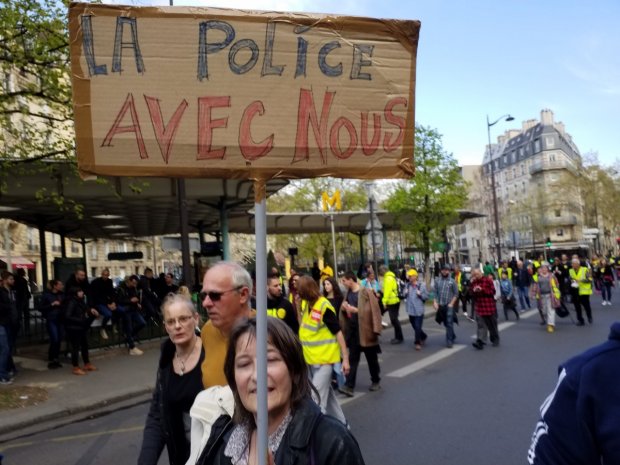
(120, 377)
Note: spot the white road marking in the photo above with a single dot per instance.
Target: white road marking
(421, 364)
(445, 353)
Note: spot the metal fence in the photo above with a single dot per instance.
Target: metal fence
(33, 329)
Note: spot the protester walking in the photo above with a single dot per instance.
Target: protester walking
(446, 293)
(414, 305)
(179, 380)
(391, 302)
(483, 293)
(605, 275)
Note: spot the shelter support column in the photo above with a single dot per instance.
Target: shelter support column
(63, 245)
(386, 252)
(43, 247)
(224, 229)
(184, 227)
(360, 236)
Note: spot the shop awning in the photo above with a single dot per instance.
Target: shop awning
(18, 262)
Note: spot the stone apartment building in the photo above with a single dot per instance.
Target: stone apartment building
(538, 198)
(25, 252)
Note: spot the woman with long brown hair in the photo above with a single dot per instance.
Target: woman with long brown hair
(323, 343)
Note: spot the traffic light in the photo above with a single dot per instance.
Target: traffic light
(548, 242)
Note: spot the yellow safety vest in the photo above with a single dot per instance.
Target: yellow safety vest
(319, 344)
(581, 276)
(500, 270)
(390, 289)
(459, 276)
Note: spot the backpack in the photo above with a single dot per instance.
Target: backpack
(402, 289)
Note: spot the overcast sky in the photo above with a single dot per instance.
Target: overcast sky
(499, 56)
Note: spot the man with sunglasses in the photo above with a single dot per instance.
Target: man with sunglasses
(226, 296)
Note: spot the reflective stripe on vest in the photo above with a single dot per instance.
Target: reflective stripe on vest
(319, 344)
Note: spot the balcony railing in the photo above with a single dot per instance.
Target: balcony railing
(540, 166)
(564, 220)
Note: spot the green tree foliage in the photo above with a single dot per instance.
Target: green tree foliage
(36, 113)
(600, 189)
(305, 196)
(426, 204)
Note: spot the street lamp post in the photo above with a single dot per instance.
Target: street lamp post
(498, 247)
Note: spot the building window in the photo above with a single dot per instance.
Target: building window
(523, 187)
(74, 247)
(93, 251)
(559, 232)
(478, 243)
(514, 172)
(550, 141)
(558, 213)
(149, 253)
(55, 243)
(552, 157)
(30, 235)
(537, 146)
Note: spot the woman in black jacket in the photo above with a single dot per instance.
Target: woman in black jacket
(78, 317)
(179, 380)
(299, 434)
(51, 309)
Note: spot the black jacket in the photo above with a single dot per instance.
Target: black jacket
(76, 316)
(523, 278)
(310, 439)
(8, 307)
(158, 428)
(101, 292)
(49, 311)
(124, 294)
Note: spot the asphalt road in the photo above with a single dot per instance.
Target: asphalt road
(438, 406)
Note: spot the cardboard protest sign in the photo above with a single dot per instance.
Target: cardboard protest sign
(205, 92)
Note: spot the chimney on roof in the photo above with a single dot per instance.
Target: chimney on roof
(560, 127)
(528, 124)
(546, 117)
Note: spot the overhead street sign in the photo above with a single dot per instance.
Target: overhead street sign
(378, 239)
(377, 223)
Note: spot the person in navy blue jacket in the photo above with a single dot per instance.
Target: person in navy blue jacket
(580, 420)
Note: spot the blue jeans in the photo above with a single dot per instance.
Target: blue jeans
(524, 297)
(132, 324)
(606, 290)
(416, 323)
(448, 323)
(55, 331)
(106, 313)
(5, 353)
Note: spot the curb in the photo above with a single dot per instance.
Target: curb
(101, 407)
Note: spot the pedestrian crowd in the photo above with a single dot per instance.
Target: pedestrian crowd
(204, 406)
(70, 308)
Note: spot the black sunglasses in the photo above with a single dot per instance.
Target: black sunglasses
(214, 295)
